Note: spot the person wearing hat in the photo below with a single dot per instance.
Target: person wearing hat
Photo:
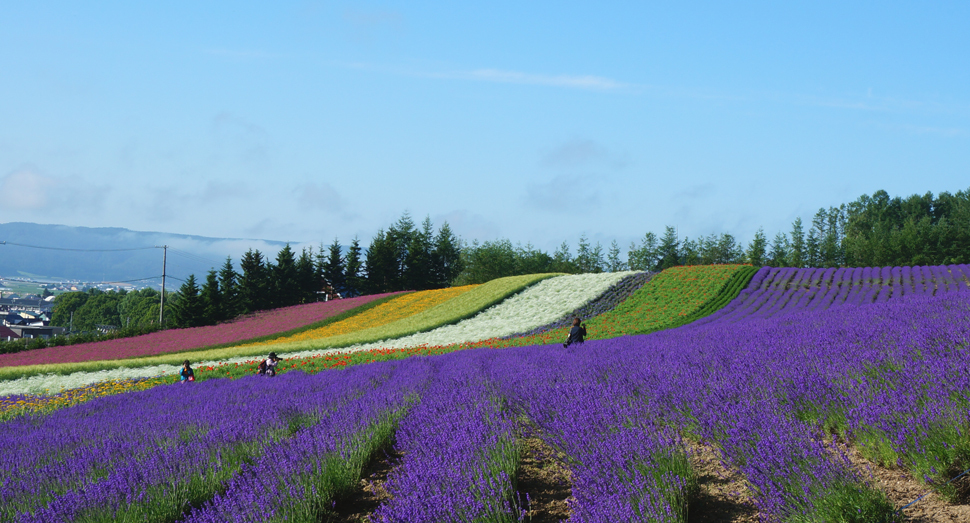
(267, 367)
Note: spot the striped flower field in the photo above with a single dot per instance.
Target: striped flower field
(779, 373)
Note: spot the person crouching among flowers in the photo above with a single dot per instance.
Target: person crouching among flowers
(267, 367)
(185, 373)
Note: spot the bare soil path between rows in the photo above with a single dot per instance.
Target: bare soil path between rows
(902, 488)
(370, 493)
(723, 495)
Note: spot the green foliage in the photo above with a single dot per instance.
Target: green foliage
(254, 282)
(332, 267)
(757, 251)
(353, 269)
(285, 285)
(211, 300)
(847, 503)
(229, 286)
(189, 309)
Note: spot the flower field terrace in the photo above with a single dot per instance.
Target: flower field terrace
(388, 312)
(461, 305)
(778, 291)
(767, 394)
(51, 379)
(265, 323)
(674, 297)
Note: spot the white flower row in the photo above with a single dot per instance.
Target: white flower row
(538, 305)
(543, 303)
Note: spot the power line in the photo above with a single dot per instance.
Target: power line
(74, 250)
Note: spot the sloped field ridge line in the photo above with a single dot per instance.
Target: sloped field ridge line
(451, 312)
(96, 360)
(403, 307)
(257, 326)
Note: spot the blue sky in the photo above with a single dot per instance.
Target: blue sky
(535, 121)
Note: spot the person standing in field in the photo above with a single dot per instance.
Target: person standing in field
(186, 374)
(577, 334)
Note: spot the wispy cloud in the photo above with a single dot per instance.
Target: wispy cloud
(566, 194)
(582, 153)
(561, 80)
(586, 82)
(239, 54)
(320, 196)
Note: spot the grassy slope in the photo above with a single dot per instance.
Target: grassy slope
(451, 311)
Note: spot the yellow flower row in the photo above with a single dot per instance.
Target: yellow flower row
(387, 312)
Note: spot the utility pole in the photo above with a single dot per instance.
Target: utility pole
(161, 306)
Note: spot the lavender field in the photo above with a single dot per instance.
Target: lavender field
(803, 361)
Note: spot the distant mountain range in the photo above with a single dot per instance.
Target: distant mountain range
(114, 254)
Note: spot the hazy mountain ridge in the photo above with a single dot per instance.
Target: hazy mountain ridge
(187, 254)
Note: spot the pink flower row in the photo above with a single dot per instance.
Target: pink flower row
(174, 340)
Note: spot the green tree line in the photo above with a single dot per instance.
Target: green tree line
(876, 230)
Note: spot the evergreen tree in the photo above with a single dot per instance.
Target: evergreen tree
(211, 298)
(188, 310)
(798, 255)
(306, 276)
(778, 255)
(400, 235)
(353, 270)
(229, 286)
(812, 249)
(334, 271)
(613, 261)
(417, 272)
(589, 259)
(446, 260)
(562, 260)
(284, 280)
(644, 257)
(757, 249)
(254, 282)
(381, 268)
(668, 249)
(690, 251)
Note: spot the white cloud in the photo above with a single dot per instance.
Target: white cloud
(27, 189)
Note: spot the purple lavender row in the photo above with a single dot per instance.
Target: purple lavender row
(615, 295)
(625, 466)
(891, 375)
(782, 290)
(299, 479)
(71, 447)
(715, 393)
(225, 423)
(460, 454)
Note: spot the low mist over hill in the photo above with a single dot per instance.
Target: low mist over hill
(69, 252)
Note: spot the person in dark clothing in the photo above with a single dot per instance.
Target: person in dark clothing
(186, 374)
(577, 334)
(267, 367)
